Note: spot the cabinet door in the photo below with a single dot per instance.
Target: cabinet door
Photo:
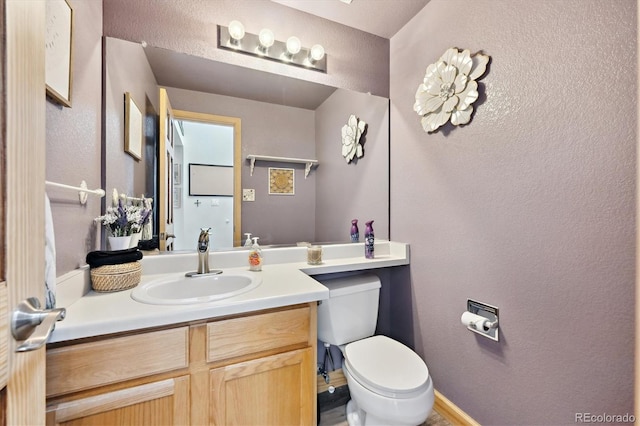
(275, 390)
(164, 402)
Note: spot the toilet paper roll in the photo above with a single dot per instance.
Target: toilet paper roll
(474, 321)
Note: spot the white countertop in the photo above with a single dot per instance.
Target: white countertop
(286, 280)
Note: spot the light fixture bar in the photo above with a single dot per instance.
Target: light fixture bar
(249, 44)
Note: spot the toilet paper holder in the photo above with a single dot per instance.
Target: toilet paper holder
(482, 319)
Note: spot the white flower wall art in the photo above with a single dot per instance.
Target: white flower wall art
(449, 89)
(351, 134)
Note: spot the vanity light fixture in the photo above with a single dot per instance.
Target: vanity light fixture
(265, 45)
(293, 46)
(316, 53)
(236, 32)
(266, 38)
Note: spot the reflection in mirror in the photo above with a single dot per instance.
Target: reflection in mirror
(282, 117)
(206, 191)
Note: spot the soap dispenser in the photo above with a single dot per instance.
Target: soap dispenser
(255, 256)
(247, 242)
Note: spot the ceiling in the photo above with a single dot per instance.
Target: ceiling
(380, 17)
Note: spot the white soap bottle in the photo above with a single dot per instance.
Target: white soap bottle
(255, 256)
(247, 242)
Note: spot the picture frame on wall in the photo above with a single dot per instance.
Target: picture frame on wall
(177, 174)
(132, 127)
(210, 180)
(59, 51)
(281, 181)
(177, 197)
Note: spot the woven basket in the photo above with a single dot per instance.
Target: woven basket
(110, 278)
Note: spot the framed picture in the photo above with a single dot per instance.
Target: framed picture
(59, 51)
(281, 181)
(209, 179)
(177, 174)
(177, 197)
(132, 127)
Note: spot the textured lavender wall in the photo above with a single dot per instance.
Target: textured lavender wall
(530, 207)
(127, 70)
(267, 129)
(73, 142)
(356, 190)
(356, 60)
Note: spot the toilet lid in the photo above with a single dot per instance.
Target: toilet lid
(386, 366)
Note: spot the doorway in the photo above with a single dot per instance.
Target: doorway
(206, 180)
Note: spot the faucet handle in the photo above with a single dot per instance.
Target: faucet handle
(203, 240)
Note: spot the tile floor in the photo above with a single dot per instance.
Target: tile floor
(338, 417)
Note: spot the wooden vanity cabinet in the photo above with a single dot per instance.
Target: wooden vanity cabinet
(257, 368)
(264, 368)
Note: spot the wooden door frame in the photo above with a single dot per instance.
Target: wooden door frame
(4, 331)
(165, 173)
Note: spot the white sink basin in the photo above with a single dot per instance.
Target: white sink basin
(180, 290)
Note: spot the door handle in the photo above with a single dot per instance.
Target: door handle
(34, 325)
(167, 236)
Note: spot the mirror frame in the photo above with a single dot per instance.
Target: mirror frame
(236, 123)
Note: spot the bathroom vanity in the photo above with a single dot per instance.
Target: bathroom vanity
(248, 359)
(230, 370)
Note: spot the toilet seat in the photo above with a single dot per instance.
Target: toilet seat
(386, 367)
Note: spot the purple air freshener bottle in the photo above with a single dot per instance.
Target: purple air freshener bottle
(368, 240)
(355, 234)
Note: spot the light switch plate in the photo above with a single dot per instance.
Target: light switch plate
(248, 194)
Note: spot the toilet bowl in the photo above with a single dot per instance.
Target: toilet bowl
(389, 384)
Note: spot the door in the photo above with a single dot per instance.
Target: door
(275, 390)
(166, 122)
(22, 168)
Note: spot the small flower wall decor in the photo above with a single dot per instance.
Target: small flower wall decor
(351, 134)
(449, 89)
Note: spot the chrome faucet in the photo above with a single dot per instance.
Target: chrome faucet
(203, 251)
(203, 255)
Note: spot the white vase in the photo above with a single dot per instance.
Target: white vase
(135, 238)
(119, 243)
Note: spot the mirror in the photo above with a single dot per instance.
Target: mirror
(280, 117)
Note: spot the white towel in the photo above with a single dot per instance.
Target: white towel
(49, 257)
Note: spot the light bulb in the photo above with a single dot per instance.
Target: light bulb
(293, 45)
(316, 53)
(266, 38)
(236, 30)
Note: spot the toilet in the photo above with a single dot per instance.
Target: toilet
(388, 382)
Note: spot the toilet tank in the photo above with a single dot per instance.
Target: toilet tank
(351, 312)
